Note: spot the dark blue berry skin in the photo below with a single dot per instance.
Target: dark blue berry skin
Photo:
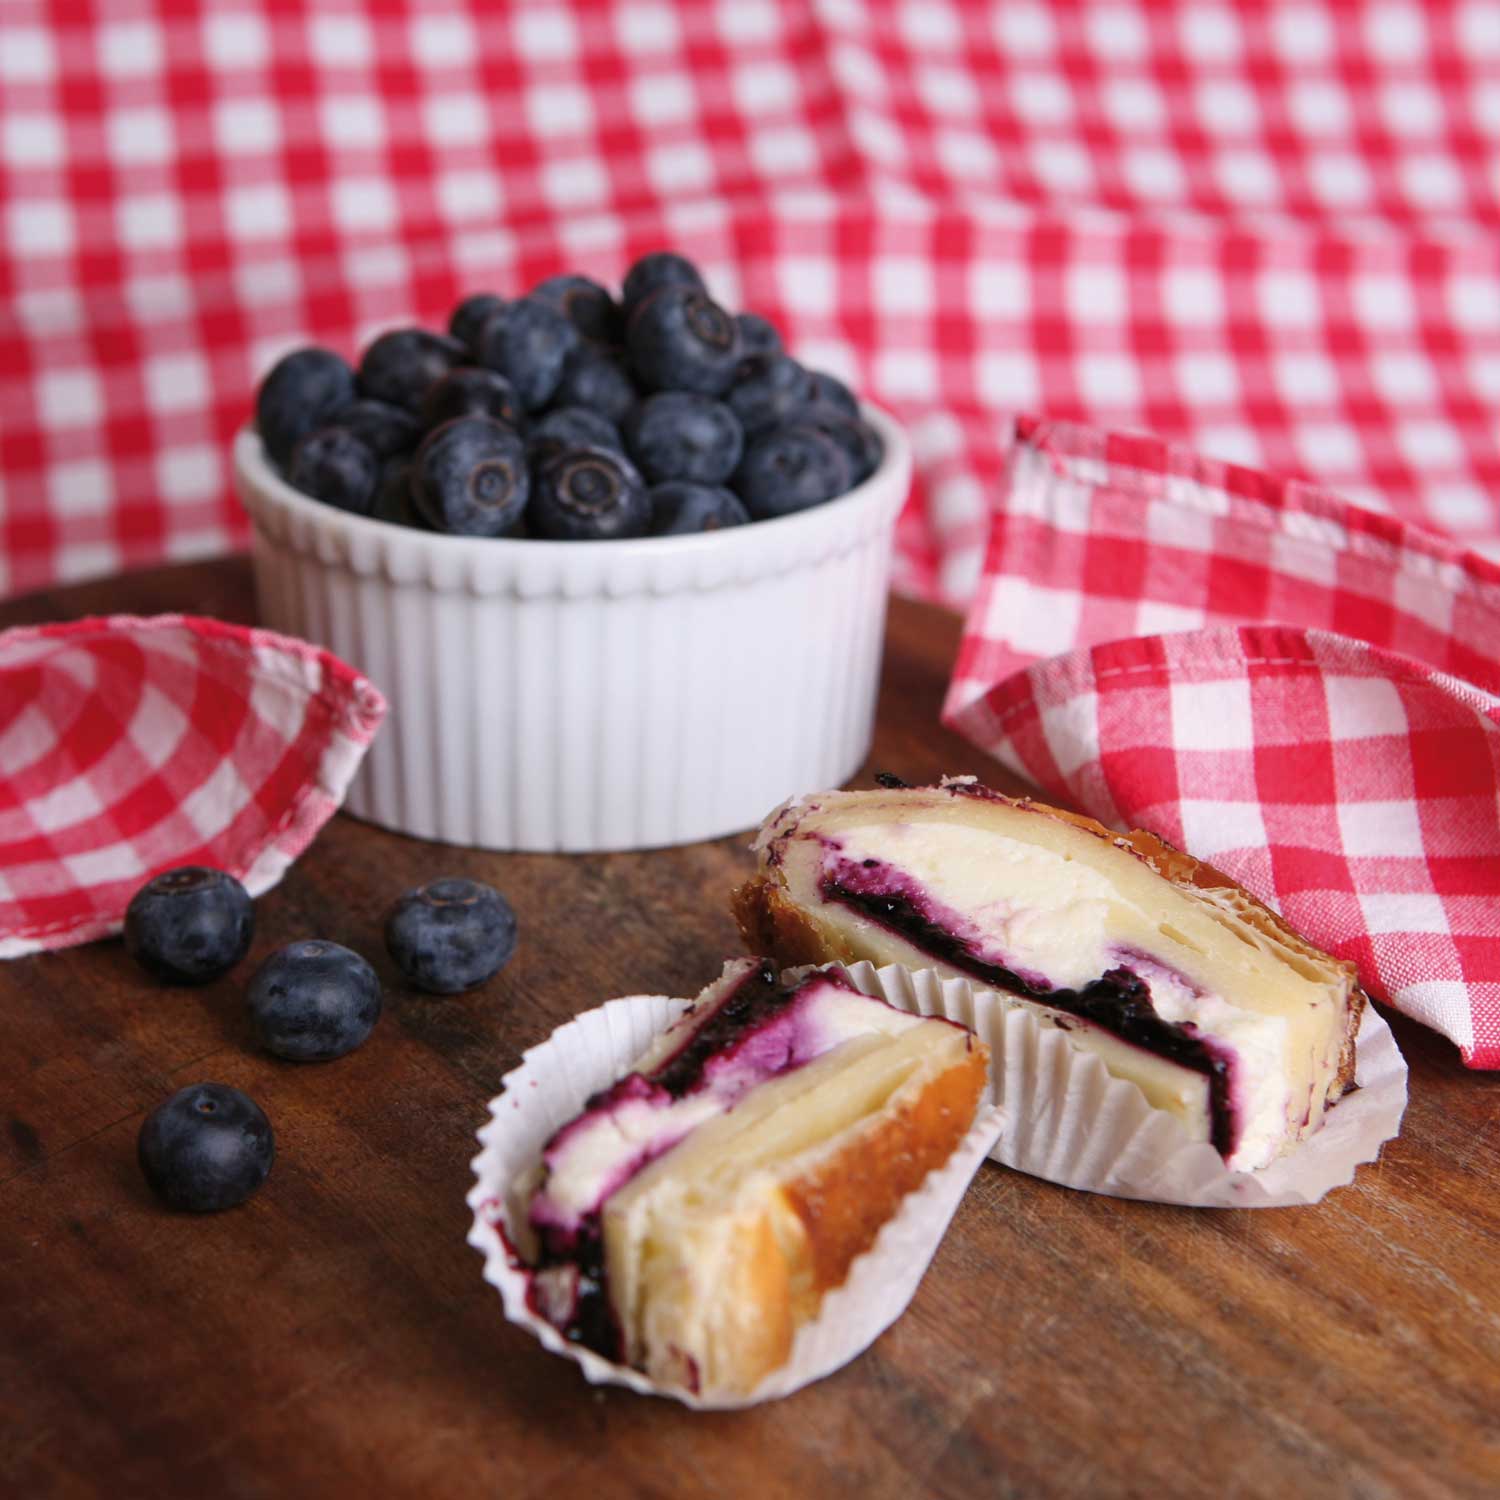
(680, 435)
(313, 1001)
(596, 379)
(189, 925)
(450, 935)
(299, 394)
(757, 335)
(393, 501)
(682, 340)
(400, 365)
(770, 390)
(654, 271)
(679, 508)
(472, 391)
(570, 427)
(588, 495)
(384, 429)
(528, 342)
(469, 477)
(470, 316)
(829, 390)
(333, 466)
(585, 304)
(854, 435)
(788, 469)
(207, 1148)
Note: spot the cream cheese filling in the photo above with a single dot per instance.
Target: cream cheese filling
(1054, 903)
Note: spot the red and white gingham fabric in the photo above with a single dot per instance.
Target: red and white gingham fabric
(1267, 232)
(130, 746)
(1341, 762)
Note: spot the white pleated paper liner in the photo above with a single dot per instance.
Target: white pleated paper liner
(551, 1086)
(1068, 1120)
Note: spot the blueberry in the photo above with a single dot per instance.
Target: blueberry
(393, 501)
(450, 935)
(757, 335)
(333, 466)
(471, 391)
(384, 429)
(680, 507)
(680, 435)
(570, 427)
(596, 379)
(528, 343)
(788, 469)
(297, 395)
(586, 304)
(588, 494)
(829, 390)
(400, 365)
(189, 925)
(208, 1147)
(681, 340)
(769, 391)
(652, 272)
(470, 316)
(853, 434)
(313, 1001)
(469, 477)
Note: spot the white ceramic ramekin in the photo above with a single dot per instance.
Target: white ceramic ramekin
(582, 696)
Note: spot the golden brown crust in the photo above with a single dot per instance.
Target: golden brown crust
(846, 1201)
(777, 1281)
(760, 1289)
(773, 925)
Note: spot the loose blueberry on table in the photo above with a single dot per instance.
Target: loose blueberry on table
(313, 1001)
(189, 925)
(694, 394)
(207, 1148)
(450, 935)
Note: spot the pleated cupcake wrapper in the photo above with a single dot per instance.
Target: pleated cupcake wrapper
(1070, 1121)
(552, 1084)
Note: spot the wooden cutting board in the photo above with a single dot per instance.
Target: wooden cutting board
(333, 1337)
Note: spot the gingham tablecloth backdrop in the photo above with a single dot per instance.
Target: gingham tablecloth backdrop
(1268, 232)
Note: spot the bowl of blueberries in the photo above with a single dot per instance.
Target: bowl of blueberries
(618, 563)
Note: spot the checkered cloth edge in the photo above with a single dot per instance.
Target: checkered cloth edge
(1340, 762)
(1265, 232)
(129, 746)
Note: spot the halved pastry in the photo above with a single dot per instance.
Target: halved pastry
(1177, 978)
(694, 1214)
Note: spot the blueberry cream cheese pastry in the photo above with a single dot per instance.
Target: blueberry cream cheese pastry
(1178, 979)
(695, 1213)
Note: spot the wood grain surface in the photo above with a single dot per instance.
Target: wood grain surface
(333, 1337)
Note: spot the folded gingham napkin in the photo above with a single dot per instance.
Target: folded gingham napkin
(1304, 693)
(129, 746)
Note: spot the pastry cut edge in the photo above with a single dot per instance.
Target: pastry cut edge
(1182, 982)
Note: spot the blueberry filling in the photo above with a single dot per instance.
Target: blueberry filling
(756, 999)
(1119, 1001)
(587, 1319)
(571, 1289)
